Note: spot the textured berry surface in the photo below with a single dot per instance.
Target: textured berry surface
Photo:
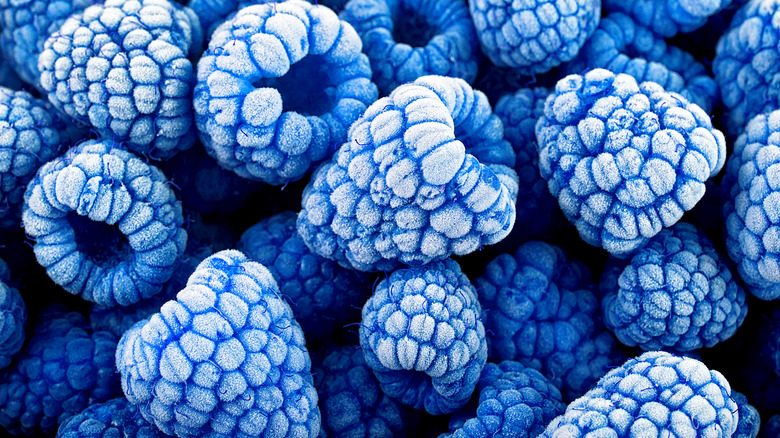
(426, 174)
(675, 292)
(278, 88)
(624, 159)
(225, 358)
(533, 36)
(311, 117)
(13, 318)
(31, 133)
(422, 335)
(656, 394)
(119, 319)
(544, 314)
(122, 67)
(116, 418)
(64, 368)
(106, 225)
(749, 423)
(408, 39)
(745, 64)
(352, 403)
(320, 291)
(751, 188)
(25, 27)
(621, 45)
(538, 214)
(513, 401)
(667, 18)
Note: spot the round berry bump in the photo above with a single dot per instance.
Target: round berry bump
(226, 358)
(426, 174)
(64, 368)
(513, 401)
(107, 226)
(624, 159)
(656, 394)
(13, 318)
(667, 18)
(31, 133)
(114, 418)
(751, 189)
(278, 88)
(535, 36)
(353, 405)
(422, 335)
(675, 292)
(545, 315)
(123, 67)
(320, 290)
(408, 39)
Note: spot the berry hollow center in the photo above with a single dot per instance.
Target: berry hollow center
(412, 28)
(306, 88)
(102, 243)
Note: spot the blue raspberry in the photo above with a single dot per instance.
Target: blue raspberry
(426, 174)
(513, 401)
(745, 65)
(422, 335)
(751, 188)
(352, 403)
(624, 159)
(621, 45)
(675, 292)
(13, 318)
(278, 88)
(116, 418)
(408, 39)
(64, 368)
(321, 292)
(749, 419)
(533, 36)
(106, 225)
(226, 358)
(545, 315)
(25, 27)
(538, 214)
(666, 18)
(31, 133)
(122, 67)
(656, 394)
